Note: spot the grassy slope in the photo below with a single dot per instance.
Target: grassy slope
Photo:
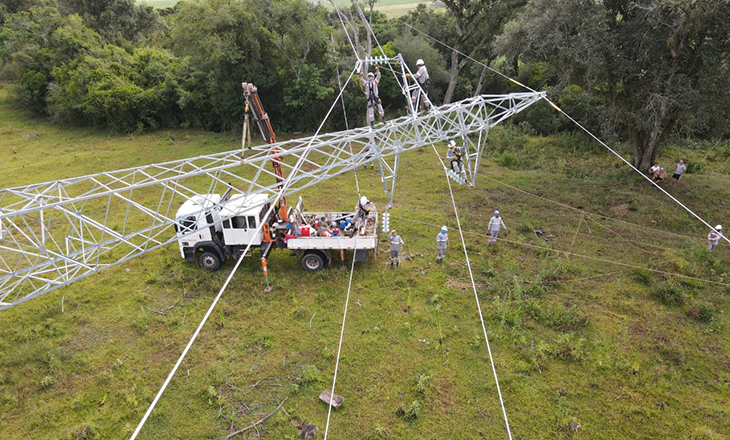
(601, 351)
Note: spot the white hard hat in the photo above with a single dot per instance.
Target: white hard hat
(420, 62)
(363, 200)
(718, 227)
(496, 212)
(444, 228)
(393, 231)
(371, 75)
(452, 143)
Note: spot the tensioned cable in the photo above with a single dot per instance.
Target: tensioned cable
(284, 186)
(588, 257)
(476, 295)
(564, 205)
(588, 132)
(347, 127)
(344, 28)
(339, 346)
(375, 37)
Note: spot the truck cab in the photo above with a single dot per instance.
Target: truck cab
(211, 228)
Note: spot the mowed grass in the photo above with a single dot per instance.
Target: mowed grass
(627, 353)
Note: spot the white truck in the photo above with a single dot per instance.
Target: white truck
(224, 226)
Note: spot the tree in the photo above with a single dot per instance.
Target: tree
(656, 66)
(477, 23)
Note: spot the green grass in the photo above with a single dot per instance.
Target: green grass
(574, 339)
(391, 8)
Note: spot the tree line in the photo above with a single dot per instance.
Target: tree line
(637, 71)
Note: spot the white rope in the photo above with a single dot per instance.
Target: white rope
(347, 127)
(344, 28)
(370, 30)
(476, 296)
(588, 132)
(235, 268)
(339, 347)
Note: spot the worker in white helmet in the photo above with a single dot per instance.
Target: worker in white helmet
(495, 225)
(442, 242)
(395, 245)
(713, 238)
(454, 156)
(424, 81)
(363, 208)
(370, 86)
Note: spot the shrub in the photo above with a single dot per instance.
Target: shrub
(704, 313)
(668, 294)
(422, 384)
(47, 382)
(642, 276)
(568, 348)
(411, 413)
(509, 161)
(310, 375)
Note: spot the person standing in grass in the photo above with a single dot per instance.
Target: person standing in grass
(681, 168)
(713, 238)
(442, 242)
(395, 244)
(495, 225)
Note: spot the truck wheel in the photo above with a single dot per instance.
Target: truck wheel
(312, 262)
(209, 260)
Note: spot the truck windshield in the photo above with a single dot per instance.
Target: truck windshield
(187, 224)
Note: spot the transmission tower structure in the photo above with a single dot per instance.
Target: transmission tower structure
(58, 232)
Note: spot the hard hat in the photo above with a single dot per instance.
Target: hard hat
(718, 227)
(452, 143)
(444, 228)
(363, 200)
(371, 75)
(496, 212)
(393, 231)
(420, 62)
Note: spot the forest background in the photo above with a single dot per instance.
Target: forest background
(642, 72)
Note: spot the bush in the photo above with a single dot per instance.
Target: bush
(642, 276)
(669, 294)
(704, 313)
(310, 375)
(411, 413)
(509, 161)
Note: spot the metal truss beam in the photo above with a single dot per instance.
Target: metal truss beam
(54, 233)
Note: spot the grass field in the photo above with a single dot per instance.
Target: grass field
(391, 8)
(625, 352)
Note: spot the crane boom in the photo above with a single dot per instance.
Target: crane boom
(55, 233)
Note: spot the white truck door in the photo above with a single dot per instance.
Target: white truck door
(240, 230)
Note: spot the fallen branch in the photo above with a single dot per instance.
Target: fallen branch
(310, 325)
(240, 431)
(160, 312)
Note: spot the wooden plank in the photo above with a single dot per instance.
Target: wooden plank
(325, 397)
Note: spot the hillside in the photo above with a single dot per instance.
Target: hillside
(625, 350)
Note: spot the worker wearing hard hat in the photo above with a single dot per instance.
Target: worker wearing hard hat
(424, 81)
(495, 225)
(442, 242)
(395, 244)
(363, 208)
(370, 86)
(713, 238)
(454, 157)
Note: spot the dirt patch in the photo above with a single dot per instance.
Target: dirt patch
(456, 284)
(620, 209)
